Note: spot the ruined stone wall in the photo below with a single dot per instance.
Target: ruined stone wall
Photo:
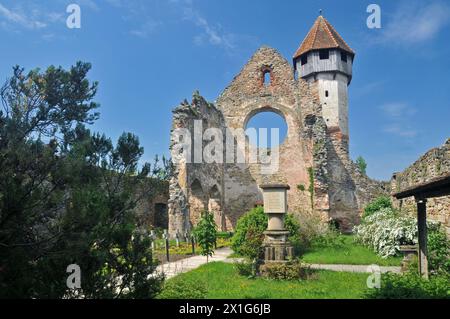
(248, 95)
(434, 163)
(154, 192)
(313, 159)
(350, 190)
(196, 186)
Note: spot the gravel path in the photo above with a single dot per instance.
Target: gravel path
(174, 268)
(355, 268)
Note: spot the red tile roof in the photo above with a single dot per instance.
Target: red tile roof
(322, 36)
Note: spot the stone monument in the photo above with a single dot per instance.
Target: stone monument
(276, 244)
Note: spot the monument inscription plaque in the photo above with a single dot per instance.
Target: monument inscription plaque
(274, 201)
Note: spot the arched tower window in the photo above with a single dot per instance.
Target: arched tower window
(266, 78)
(266, 73)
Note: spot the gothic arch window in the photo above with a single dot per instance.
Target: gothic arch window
(196, 186)
(266, 73)
(214, 192)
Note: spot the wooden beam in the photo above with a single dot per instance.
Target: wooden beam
(436, 187)
(422, 230)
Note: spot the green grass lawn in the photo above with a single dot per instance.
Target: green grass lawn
(349, 253)
(223, 282)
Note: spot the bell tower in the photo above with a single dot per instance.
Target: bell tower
(325, 58)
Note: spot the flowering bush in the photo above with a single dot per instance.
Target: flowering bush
(385, 231)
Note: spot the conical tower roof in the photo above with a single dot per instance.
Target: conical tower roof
(322, 36)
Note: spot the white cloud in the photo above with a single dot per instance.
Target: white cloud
(399, 116)
(115, 3)
(91, 4)
(414, 23)
(400, 130)
(19, 18)
(212, 34)
(398, 110)
(146, 29)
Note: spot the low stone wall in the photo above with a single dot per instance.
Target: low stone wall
(434, 163)
(151, 205)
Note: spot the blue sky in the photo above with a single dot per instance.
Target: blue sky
(148, 55)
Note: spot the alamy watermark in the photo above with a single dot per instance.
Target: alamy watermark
(74, 279)
(73, 21)
(230, 146)
(374, 280)
(374, 19)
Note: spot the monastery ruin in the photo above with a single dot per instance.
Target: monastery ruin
(311, 95)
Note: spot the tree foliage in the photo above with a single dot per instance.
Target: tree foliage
(205, 233)
(362, 165)
(67, 195)
(377, 204)
(249, 234)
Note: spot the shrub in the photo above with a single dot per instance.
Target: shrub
(438, 251)
(255, 220)
(248, 237)
(313, 232)
(245, 268)
(384, 232)
(293, 226)
(224, 235)
(252, 247)
(332, 238)
(285, 271)
(411, 286)
(183, 289)
(223, 242)
(377, 205)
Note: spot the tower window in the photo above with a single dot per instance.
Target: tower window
(326, 93)
(343, 56)
(324, 54)
(266, 78)
(304, 59)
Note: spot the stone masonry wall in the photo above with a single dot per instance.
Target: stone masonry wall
(313, 160)
(194, 187)
(434, 163)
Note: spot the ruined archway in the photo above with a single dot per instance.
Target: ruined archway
(266, 128)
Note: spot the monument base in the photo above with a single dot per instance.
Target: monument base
(276, 247)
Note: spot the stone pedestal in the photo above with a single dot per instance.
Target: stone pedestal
(410, 252)
(276, 244)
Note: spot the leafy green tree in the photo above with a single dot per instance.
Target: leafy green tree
(205, 234)
(376, 205)
(66, 195)
(362, 165)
